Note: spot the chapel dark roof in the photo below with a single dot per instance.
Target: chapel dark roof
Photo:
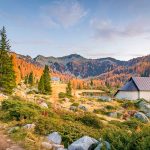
(137, 83)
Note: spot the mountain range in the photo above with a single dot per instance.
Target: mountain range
(103, 68)
(83, 67)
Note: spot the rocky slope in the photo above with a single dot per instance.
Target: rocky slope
(106, 69)
(80, 66)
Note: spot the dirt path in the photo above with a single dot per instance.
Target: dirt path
(6, 143)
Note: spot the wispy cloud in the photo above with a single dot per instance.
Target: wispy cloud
(64, 13)
(106, 30)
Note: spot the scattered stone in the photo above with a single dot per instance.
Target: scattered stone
(106, 98)
(56, 146)
(144, 106)
(82, 107)
(55, 138)
(67, 99)
(148, 115)
(83, 143)
(29, 126)
(2, 96)
(141, 116)
(113, 114)
(46, 145)
(73, 108)
(44, 105)
(61, 149)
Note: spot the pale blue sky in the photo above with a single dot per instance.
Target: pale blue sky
(92, 28)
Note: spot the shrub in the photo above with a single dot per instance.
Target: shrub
(109, 107)
(91, 120)
(118, 138)
(20, 110)
(101, 111)
(62, 95)
(133, 124)
(75, 104)
(44, 126)
(129, 104)
(68, 116)
(140, 140)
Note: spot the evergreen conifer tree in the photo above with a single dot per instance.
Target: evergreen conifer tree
(69, 89)
(26, 79)
(44, 85)
(41, 85)
(7, 74)
(30, 79)
(47, 78)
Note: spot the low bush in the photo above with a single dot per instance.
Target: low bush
(16, 109)
(118, 138)
(62, 95)
(68, 116)
(75, 104)
(91, 120)
(124, 139)
(44, 126)
(109, 107)
(133, 124)
(129, 105)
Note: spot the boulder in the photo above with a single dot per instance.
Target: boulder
(144, 106)
(29, 126)
(83, 143)
(61, 149)
(54, 138)
(148, 115)
(57, 147)
(46, 145)
(82, 108)
(141, 116)
(106, 98)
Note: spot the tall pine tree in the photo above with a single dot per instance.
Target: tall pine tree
(7, 74)
(69, 89)
(44, 85)
(30, 79)
(41, 85)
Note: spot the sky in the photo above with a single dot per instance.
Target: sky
(91, 28)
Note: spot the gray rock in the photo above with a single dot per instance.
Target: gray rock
(148, 115)
(73, 108)
(113, 114)
(144, 106)
(101, 145)
(46, 145)
(82, 108)
(67, 99)
(29, 126)
(141, 116)
(57, 147)
(106, 98)
(83, 143)
(61, 149)
(44, 105)
(55, 138)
